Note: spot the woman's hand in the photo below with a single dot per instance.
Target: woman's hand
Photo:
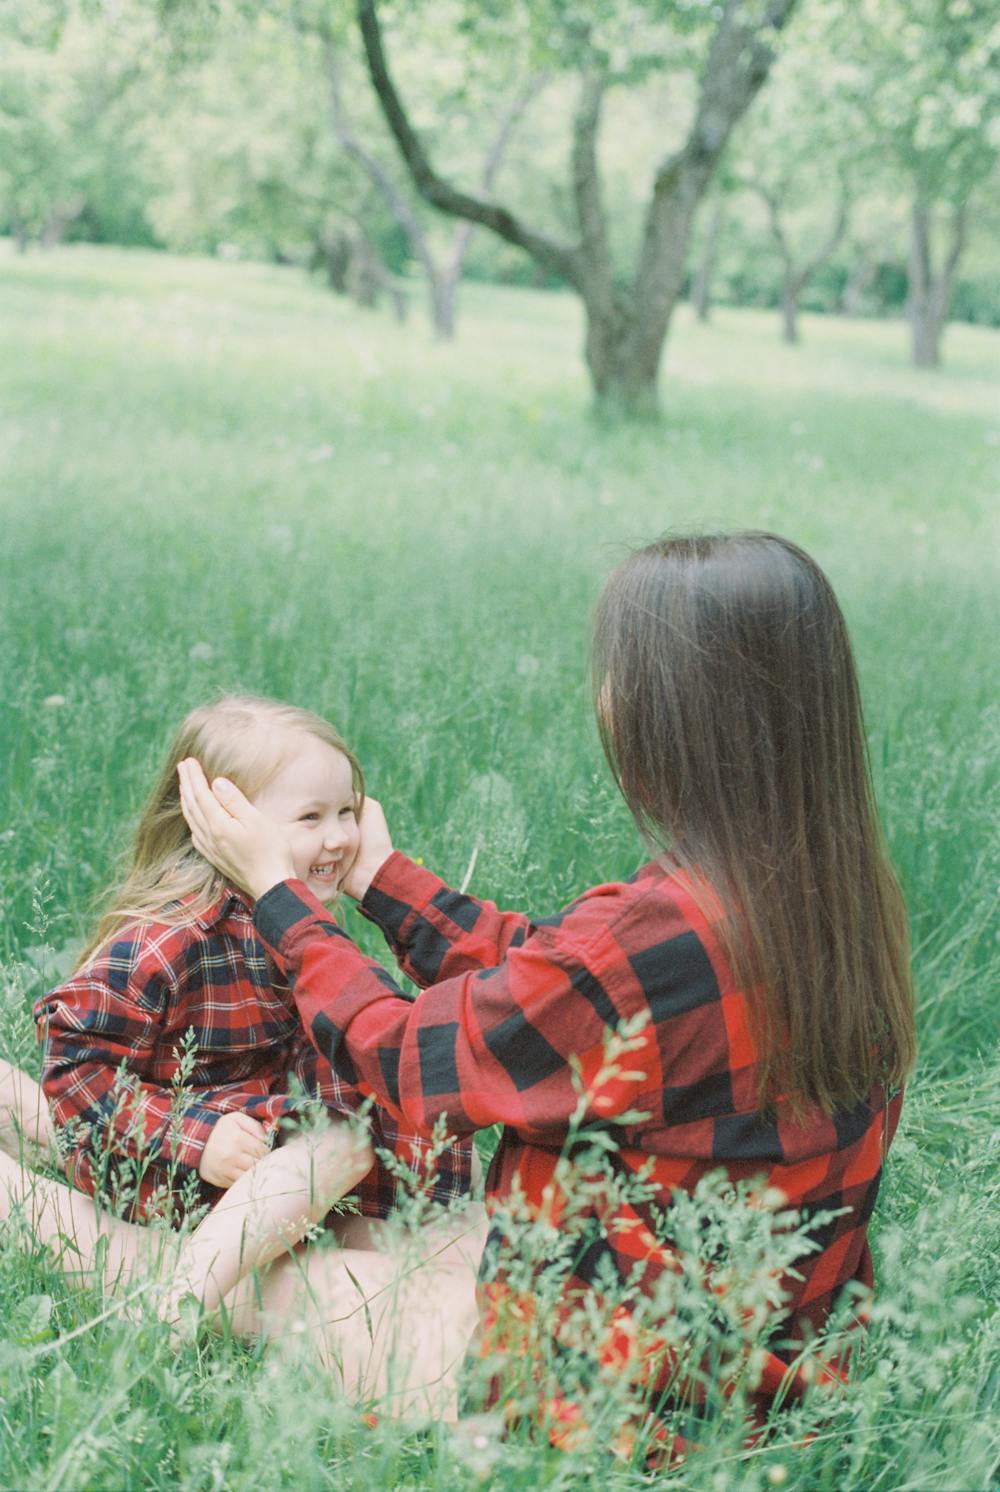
(374, 850)
(249, 849)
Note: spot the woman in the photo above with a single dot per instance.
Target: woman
(754, 973)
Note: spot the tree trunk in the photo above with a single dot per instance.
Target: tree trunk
(332, 252)
(701, 291)
(926, 336)
(363, 282)
(925, 332)
(930, 291)
(444, 299)
(59, 220)
(789, 311)
(622, 384)
(859, 281)
(795, 278)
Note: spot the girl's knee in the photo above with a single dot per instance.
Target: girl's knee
(345, 1157)
(334, 1161)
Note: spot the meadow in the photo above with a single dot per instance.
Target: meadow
(219, 476)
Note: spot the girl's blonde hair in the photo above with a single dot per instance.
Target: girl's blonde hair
(244, 737)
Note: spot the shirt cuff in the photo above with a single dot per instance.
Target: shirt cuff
(193, 1129)
(285, 906)
(398, 889)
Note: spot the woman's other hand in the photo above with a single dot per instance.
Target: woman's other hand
(375, 849)
(249, 849)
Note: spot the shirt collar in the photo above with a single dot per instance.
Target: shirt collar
(229, 900)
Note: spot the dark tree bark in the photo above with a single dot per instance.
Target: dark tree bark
(626, 326)
(701, 290)
(930, 289)
(795, 277)
(442, 280)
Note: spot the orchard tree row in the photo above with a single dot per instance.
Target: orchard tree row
(840, 152)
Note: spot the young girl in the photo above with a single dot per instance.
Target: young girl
(174, 1050)
(390, 1326)
(759, 960)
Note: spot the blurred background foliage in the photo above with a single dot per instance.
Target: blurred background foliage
(207, 125)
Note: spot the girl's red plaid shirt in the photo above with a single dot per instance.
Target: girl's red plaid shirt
(515, 1017)
(113, 1037)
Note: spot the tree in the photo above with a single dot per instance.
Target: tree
(245, 157)
(928, 80)
(729, 48)
(69, 111)
(797, 152)
(441, 274)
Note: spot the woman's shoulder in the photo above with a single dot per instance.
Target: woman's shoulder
(658, 901)
(657, 883)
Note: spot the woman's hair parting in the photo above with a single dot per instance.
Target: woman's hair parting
(244, 737)
(729, 710)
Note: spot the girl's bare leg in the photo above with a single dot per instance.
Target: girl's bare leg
(26, 1130)
(392, 1328)
(268, 1210)
(92, 1246)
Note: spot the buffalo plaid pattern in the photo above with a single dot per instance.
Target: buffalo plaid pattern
(512, 1006)
(113, 1038)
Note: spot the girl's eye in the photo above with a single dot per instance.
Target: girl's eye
(309, 818)
(348, 811)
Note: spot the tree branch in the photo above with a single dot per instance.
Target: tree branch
(739, 59)
(562, 259)
(773, 203)
(587, 188)
(394, 198)
(836, 233)
(491, 165)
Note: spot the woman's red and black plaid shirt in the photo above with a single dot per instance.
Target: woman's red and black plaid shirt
(516, 1015)
(113, 1038)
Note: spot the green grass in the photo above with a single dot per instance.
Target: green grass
(218, 475)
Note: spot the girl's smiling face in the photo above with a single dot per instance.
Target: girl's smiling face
(312, 796)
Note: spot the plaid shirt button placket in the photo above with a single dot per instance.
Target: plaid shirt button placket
(512, 1006)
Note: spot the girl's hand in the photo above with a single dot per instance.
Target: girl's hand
(236, 1143)
(249, 849)
(374, 850)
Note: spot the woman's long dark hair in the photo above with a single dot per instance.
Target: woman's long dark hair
(728, 706)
